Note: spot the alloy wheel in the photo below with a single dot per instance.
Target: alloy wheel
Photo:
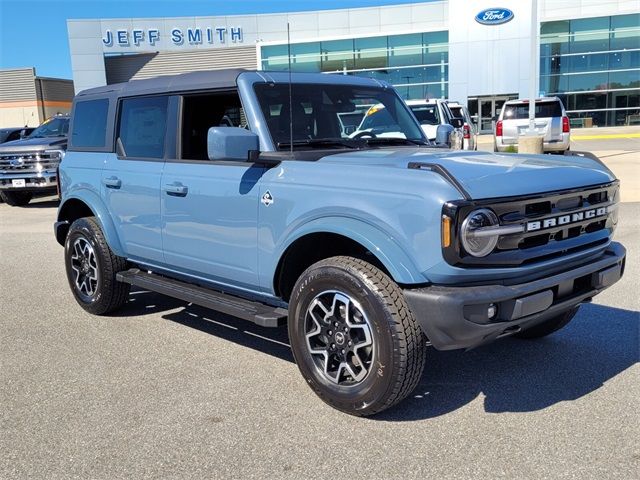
(84, 267)
(338, 337)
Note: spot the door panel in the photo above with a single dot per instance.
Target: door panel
(130, 189)
(209, 213)
(131, 180)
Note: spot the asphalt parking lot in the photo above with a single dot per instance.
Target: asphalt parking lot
(169, 390)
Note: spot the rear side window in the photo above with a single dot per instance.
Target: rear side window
(90, 123)
(142, 126)
(543, 110)
(426, 114)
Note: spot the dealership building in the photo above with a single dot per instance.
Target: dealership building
(27, 99)
(477, 52)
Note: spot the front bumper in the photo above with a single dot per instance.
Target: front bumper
(45, 180)
(457, 317)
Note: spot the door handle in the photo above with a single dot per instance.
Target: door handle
(176, 190)
(112, 182)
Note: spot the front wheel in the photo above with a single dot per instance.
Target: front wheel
(17, 199)
(548, 326)
(92, 268)
(353, 336)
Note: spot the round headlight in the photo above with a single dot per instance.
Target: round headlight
(477, 243)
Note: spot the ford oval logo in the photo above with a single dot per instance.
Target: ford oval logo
(494, 16)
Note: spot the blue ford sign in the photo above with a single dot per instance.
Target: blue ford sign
(494, 16)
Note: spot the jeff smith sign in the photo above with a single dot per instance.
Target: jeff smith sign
(177, 36)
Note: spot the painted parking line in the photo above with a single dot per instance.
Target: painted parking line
(605, 136)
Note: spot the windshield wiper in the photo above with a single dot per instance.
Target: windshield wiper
(321, 142)
(394, 141)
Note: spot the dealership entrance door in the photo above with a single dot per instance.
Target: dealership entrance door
(488, 108)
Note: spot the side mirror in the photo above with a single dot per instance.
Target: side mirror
(231, 143)
(443, 134)
(349, 129)
(457, 122)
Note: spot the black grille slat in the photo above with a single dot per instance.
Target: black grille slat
(548, 241)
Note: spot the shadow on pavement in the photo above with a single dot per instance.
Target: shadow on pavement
(37, 203)
(513, 375)
(272, 341)
(524, 375)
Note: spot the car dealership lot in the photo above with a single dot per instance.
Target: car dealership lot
(169, 390)
(617, 147)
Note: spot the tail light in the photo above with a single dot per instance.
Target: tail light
(466, 131)
(565, 124)
(499, 128)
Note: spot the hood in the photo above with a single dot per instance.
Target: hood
(490, 175)
(34, 144)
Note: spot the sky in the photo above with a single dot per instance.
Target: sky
(34, 33)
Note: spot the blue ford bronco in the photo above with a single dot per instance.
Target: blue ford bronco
(240, 191)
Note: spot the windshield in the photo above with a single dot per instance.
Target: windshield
(54, 127)
(322, 114)
(426, 114)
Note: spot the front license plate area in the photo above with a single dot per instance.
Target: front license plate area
(18, 182)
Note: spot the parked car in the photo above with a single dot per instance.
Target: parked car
(551, 121)
(371, 248)
(433, 115)
(29, 166)
(14, 133)
(469, 129)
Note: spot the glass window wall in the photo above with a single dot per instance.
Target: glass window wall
(593, 64)
(418, 63)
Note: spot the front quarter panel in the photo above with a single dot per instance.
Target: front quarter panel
(393, 212)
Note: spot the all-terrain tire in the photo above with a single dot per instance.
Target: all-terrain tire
(548, 326)
(392, 366)
(92, 267)
(16, 199)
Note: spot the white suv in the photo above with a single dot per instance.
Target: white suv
(469, 129)
(551, 121)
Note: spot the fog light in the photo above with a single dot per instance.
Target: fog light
(492, 310)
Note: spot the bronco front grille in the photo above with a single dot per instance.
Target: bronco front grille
(552, 225)
(29, 162)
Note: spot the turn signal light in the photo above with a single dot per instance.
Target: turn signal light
(499, 128)
(565, 124)
(446, 231)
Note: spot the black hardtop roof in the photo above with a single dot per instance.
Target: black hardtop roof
(215, 79)
(170, 83)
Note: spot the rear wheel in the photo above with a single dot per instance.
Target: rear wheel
(92, 268)
(17, 199)
(549, 326)
(353, 336)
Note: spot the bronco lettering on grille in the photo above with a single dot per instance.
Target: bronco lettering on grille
(567, 219)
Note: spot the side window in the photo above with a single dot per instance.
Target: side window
(200, 113)
(142, 126)
(90, 123)
(13, 136)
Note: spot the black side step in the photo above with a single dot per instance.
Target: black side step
(256, 312)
